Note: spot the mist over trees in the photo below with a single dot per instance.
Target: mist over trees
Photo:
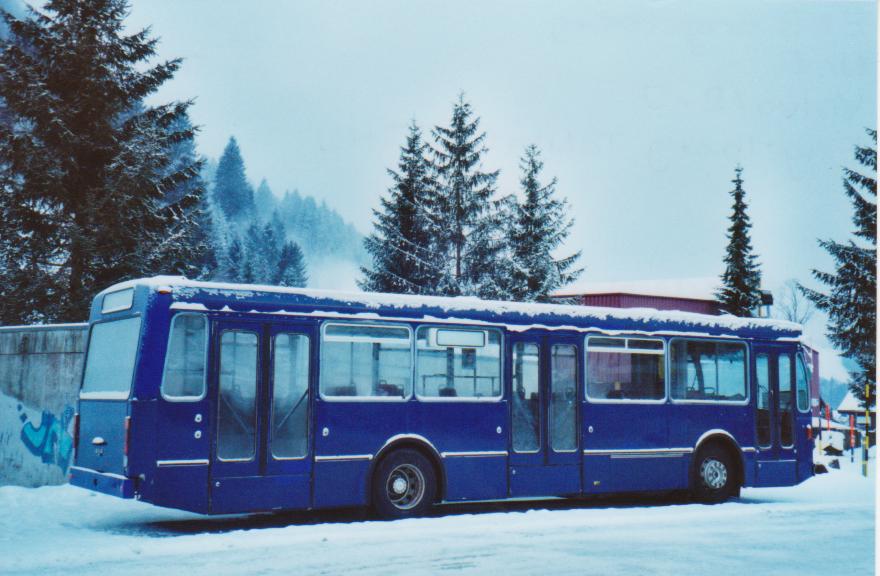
(443, 229)
(851, 300)
(261, 238)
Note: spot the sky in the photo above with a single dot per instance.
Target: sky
(642, 109)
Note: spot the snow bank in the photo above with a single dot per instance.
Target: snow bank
(774, 530)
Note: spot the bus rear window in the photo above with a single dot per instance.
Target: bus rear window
(110, 363)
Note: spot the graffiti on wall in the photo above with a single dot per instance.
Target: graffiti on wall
(50, 440)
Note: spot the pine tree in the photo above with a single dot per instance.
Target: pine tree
(232, 193)
(233, 266)
(264, 201)
(469, 232)
(740, 294)
(86, 164)
(258, 253)
(401, 244)
(851, 303)
(291, 268)
(538, 227)
(194, 255)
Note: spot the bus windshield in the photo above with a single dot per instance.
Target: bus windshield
(110, 362)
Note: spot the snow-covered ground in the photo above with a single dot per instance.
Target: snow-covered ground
(824, 526)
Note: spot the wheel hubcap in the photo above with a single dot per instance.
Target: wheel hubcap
(714, 473)
(405, 487)
(399, 485)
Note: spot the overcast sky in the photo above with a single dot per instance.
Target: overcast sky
(642, 109)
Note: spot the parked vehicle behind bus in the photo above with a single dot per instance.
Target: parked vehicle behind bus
(219, 398)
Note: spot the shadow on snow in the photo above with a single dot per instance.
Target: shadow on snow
(220, 524)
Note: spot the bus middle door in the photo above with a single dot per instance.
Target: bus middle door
(262, 454)
(545, 455)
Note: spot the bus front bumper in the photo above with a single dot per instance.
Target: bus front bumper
(104, 482)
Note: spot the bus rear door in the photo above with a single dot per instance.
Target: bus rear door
(774, 416)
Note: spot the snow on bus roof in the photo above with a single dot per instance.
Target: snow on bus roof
(185, 289)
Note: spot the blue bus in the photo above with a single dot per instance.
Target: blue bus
(223, 398)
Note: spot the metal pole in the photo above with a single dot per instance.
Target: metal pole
(865, 450)
(852, 437)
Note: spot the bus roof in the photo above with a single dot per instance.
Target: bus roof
(517, 316)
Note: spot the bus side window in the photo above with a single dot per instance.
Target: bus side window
(184, 375)
(458, 363)
(803, 385)
(360, 360)
(708, 370)
(625, 369)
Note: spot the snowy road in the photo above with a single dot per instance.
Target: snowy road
(824, 526)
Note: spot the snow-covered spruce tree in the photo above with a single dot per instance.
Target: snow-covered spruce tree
(851, 303)
(401, 246)
(232, 193)
(197, 252)
(291, 268)
(88, 164)
(740, 293)
(469, 234)
(264, 201)
(538, 227)
(232, 269)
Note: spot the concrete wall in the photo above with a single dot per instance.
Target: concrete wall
(40, 368)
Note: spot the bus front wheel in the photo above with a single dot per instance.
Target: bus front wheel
(714, 475)
(404, 485)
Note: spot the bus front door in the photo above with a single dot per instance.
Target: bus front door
(774, 416)
(544, 441)
(261, 381)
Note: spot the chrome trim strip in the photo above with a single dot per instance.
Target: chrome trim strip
(108, 474)
(624, 456)
(637, 451)
(716, 431)
(418, 437)
(749, 449)
(342, 458)
(196, 462)
(476, 454)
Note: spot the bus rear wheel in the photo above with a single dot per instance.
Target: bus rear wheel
(404, 485)
(714, 476)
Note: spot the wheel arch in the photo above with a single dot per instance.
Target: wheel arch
(725, 440)
(415, 442)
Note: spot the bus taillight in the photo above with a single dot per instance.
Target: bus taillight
(75, 433)
(127, 436)
(809, 432)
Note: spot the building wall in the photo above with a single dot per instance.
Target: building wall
(656, 302)
(40, 369)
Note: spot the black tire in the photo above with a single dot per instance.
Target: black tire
(714, 475)
(404, 485)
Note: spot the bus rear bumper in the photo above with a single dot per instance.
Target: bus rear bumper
(104, 482)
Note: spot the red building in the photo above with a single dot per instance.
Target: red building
(687, 295)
